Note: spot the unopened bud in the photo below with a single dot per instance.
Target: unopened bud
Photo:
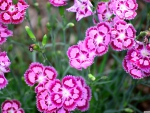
(36, 4)
(70, 25)
(91, 77)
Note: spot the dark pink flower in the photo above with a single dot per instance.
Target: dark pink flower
(37, 73)
(82, 9)
(98, 38)
(4, 63)
(122, 36)
(3, 81)
(137, 62)
(4, 33)
(11, 13)
(11, 106)
(125, 9)
(58, 3)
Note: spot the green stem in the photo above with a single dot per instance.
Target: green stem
(45, 59)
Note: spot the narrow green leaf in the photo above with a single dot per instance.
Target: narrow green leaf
(100, 83)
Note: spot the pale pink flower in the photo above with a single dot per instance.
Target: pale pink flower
(11, 106)
(122, 36)
(78, 58)
(3, 81)
(82, 9)
(37, 73)
(4, 63)
(4, 33)
(98, 38)
(11, 13)
(125, 9)
(58, 3)
(104, 12)
(137, 61)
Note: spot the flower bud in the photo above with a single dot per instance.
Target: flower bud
(91, 77)
(44, 40)
(30, 33)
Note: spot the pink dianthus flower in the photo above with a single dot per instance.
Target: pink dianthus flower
(98, 38)
(11, 106)
(11, 13)
(104, 12)
(122, 36)
(65, 96)
(78, 57)
(4, 63)
(125, 9)
(58, 3)
(4, 33)
(4, 68)
(137, 61)
(37, 73)
(82, 9)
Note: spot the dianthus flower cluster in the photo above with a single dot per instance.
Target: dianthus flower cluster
(9, 14)
(11, 106)
(54, 95)
(4, 68)
(111, 30)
